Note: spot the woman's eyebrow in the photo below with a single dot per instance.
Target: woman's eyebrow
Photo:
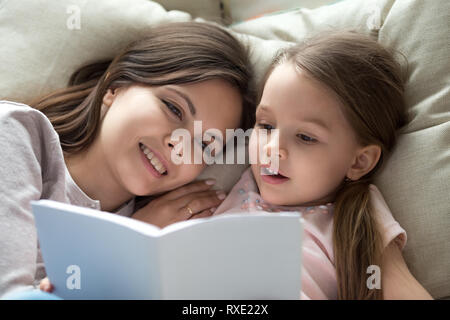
(186, 98)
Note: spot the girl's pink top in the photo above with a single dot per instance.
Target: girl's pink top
(318, 274)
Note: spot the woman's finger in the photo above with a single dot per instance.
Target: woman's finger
(204, 214)
(192, 187)
(197, 202)
(45, 285)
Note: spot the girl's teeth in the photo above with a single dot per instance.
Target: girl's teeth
(268, 171)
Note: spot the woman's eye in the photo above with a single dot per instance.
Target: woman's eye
(173, 109)
(202, 143)
(306, 138)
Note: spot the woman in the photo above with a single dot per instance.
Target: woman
(107, 137)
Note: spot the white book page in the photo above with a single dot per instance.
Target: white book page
(236, 256)
(134, 224)
(90, 254)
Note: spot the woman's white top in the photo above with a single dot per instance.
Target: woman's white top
(32, 167)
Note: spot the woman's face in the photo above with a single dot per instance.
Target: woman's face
(139, 120)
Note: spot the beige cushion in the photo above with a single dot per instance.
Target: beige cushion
(39, 53)
(207, 9)
(415, 180)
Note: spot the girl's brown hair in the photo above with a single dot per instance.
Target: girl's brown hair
(368, 81)
(175, 53)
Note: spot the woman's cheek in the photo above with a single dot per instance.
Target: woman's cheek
(188, 172)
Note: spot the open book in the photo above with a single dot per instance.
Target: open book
(91, 254)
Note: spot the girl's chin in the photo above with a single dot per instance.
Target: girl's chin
(272, 197)
(278, 197)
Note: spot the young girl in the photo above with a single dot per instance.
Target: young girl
(107, 137)
(337, 102)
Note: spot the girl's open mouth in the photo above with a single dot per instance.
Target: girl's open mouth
(272, 177)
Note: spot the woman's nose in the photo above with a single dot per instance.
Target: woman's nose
(172, 146)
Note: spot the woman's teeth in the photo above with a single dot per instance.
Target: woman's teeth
(153, 160)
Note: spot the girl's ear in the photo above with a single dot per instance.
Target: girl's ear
(366, 159)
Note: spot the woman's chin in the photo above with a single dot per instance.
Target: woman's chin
(138, 186)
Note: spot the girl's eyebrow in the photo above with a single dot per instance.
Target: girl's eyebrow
(316, 121)
(263, 108)
(186, 98)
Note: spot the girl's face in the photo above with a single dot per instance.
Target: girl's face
(139, 116)
(316, 145)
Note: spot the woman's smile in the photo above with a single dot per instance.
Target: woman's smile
(152, 162)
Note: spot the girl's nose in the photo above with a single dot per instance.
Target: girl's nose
(275, 147)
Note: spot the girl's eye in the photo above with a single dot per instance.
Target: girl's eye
(173, 109)
(306, 138)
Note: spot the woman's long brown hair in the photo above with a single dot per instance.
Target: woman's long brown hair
(368, 81)
(175, 53)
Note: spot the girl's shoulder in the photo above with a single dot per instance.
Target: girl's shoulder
(389, 227)
(377, 199)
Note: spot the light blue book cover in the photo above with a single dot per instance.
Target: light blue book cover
(91, 254)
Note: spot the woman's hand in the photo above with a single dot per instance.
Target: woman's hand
(45, 285)
(193, 200)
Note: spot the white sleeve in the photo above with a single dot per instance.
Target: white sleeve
(21, 182)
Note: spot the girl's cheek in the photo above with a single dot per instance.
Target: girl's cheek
(255, 171)
(253, 148)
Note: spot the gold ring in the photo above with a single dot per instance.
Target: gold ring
(189, 209)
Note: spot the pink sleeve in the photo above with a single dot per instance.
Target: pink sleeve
(390, 228)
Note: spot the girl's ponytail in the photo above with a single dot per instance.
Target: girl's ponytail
(356, 241)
